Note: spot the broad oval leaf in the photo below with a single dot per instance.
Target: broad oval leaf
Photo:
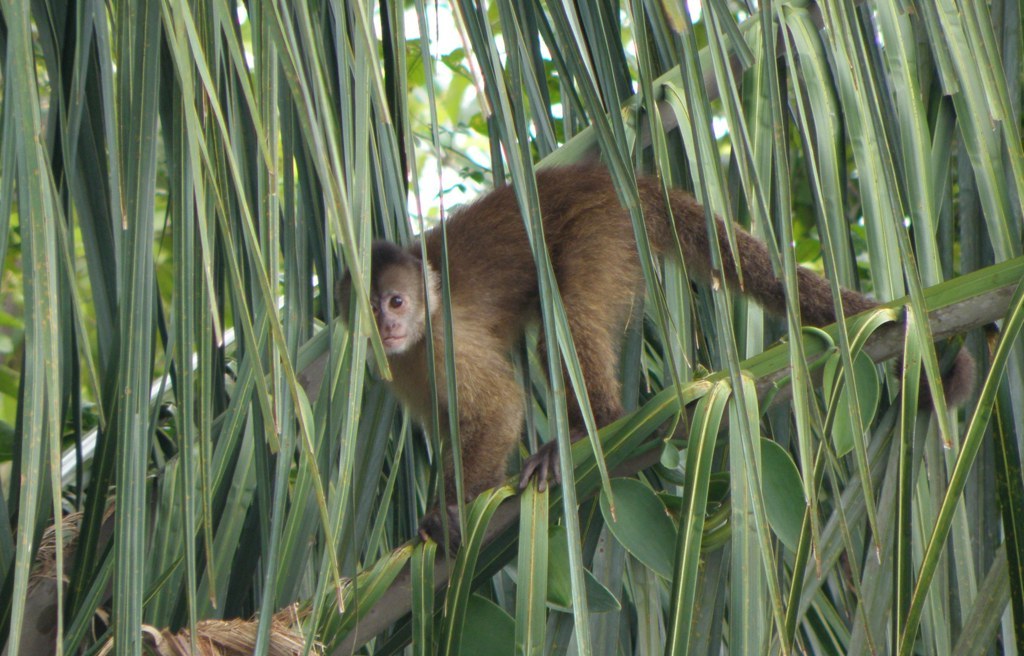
(868, 392)
(641, 525)
(489, 629)
(784, 500)
(599, 598)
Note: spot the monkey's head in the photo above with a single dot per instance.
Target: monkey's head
(396, 296)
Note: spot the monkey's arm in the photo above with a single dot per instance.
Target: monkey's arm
(491, 408)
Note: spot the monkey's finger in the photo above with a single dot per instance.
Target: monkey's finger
(542, 465)
(552, 464)
(542, 479)
(550, 469)
(529, 467)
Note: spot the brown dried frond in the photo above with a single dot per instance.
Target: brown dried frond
(235, 637)
(45, 564)
(46, 557)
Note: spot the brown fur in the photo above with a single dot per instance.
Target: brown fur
(594, 256)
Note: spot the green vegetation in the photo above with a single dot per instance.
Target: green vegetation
(179, 180)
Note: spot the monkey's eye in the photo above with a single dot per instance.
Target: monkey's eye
(396, 302)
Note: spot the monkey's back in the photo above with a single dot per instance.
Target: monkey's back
(587, 232)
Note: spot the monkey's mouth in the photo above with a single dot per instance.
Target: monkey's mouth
(393, 342)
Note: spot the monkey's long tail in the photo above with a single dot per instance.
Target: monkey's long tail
(755, 276)
(757, 279)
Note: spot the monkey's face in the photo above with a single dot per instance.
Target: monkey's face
(398, 308)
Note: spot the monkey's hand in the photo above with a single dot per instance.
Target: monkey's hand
(432, 528)
(544, 464)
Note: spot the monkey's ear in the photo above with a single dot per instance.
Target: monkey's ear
(433, 284)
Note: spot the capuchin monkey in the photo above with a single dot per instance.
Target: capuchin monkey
(494, 295)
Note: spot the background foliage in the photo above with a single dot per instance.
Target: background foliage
(178, 180)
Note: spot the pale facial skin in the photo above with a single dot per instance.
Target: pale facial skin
(398, 309)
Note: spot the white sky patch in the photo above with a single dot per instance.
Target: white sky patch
(444, 37)
(719, 127)
(243, 17)
(695, 9)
